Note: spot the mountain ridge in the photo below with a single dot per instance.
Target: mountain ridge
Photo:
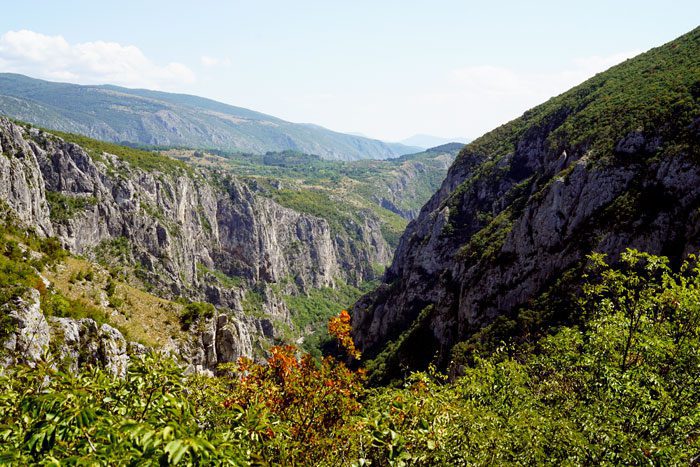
(429, 141)
(610, 164)
(156, 118)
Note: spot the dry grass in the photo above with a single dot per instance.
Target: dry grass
(145, 318)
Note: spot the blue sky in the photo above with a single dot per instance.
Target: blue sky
(387, 69)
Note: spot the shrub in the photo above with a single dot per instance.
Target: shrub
(194, 312)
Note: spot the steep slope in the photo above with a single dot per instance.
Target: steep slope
(610, 164)
(399, 186)
(153, 118)
(157, 223)
(408, 181)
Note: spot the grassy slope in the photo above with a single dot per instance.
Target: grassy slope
(78, 288)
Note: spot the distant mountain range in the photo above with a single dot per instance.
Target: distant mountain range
(430, 141)
(153, 118)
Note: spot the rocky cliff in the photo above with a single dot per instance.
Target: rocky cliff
(613, 163)
(181, 232)
(77, 343)
(414, 179)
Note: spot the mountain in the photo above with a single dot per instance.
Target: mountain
(153, 118)
(394, 188)
(165, 235)
(497, 251)
(429, 141)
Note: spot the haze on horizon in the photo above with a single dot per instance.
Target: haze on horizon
(388, 70)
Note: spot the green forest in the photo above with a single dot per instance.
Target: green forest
(621, 388)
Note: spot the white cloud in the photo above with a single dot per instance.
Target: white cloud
(53, 58)
(210, 62)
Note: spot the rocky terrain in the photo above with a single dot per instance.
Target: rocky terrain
(414, 179)
(611, 164)
(179, 232)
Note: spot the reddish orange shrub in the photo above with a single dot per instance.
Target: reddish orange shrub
(312, 399)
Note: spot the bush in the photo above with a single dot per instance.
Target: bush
(194, 312)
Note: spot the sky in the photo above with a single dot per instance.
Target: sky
(383, 68)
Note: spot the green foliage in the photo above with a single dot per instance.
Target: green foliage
(654, 93)
(310, 311)
(315, 308)
(113, 253)
(319, 203)
(194, 312)
(225, 280)
(63, 207)
(23, 255)
(94, 418)
(343, 193)
(400, 353)
(617, 389)
(53, 303)
(252, 303)
(488, 241)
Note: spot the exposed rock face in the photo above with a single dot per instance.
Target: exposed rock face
(567, 215)
(507, 223)
(175, 226)
(82, 342)
(30, 338)
(174, 222)
(21, 184)
(415, 180)
(221, 339)
(75, 343)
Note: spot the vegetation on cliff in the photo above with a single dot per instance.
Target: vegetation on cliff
(617, 389)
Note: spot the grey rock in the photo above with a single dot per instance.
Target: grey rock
(557, 209)
(29, 340)
(174, 223)
(113, 350)
(77, 343)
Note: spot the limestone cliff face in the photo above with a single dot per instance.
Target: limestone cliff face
(75, 343)
(21, 184)
(527, 202)
(179, 229)
(178, 220)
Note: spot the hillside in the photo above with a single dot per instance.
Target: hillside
(183, 306)
(152, 118)
(612, 163)
(400, 185)
(151, 224)
(430, 141)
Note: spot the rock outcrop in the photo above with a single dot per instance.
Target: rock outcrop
(183, 232)
(82, 342)
(527, 202)
(414, 179)
(29, 339)
(220, 339)
(62, 341)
